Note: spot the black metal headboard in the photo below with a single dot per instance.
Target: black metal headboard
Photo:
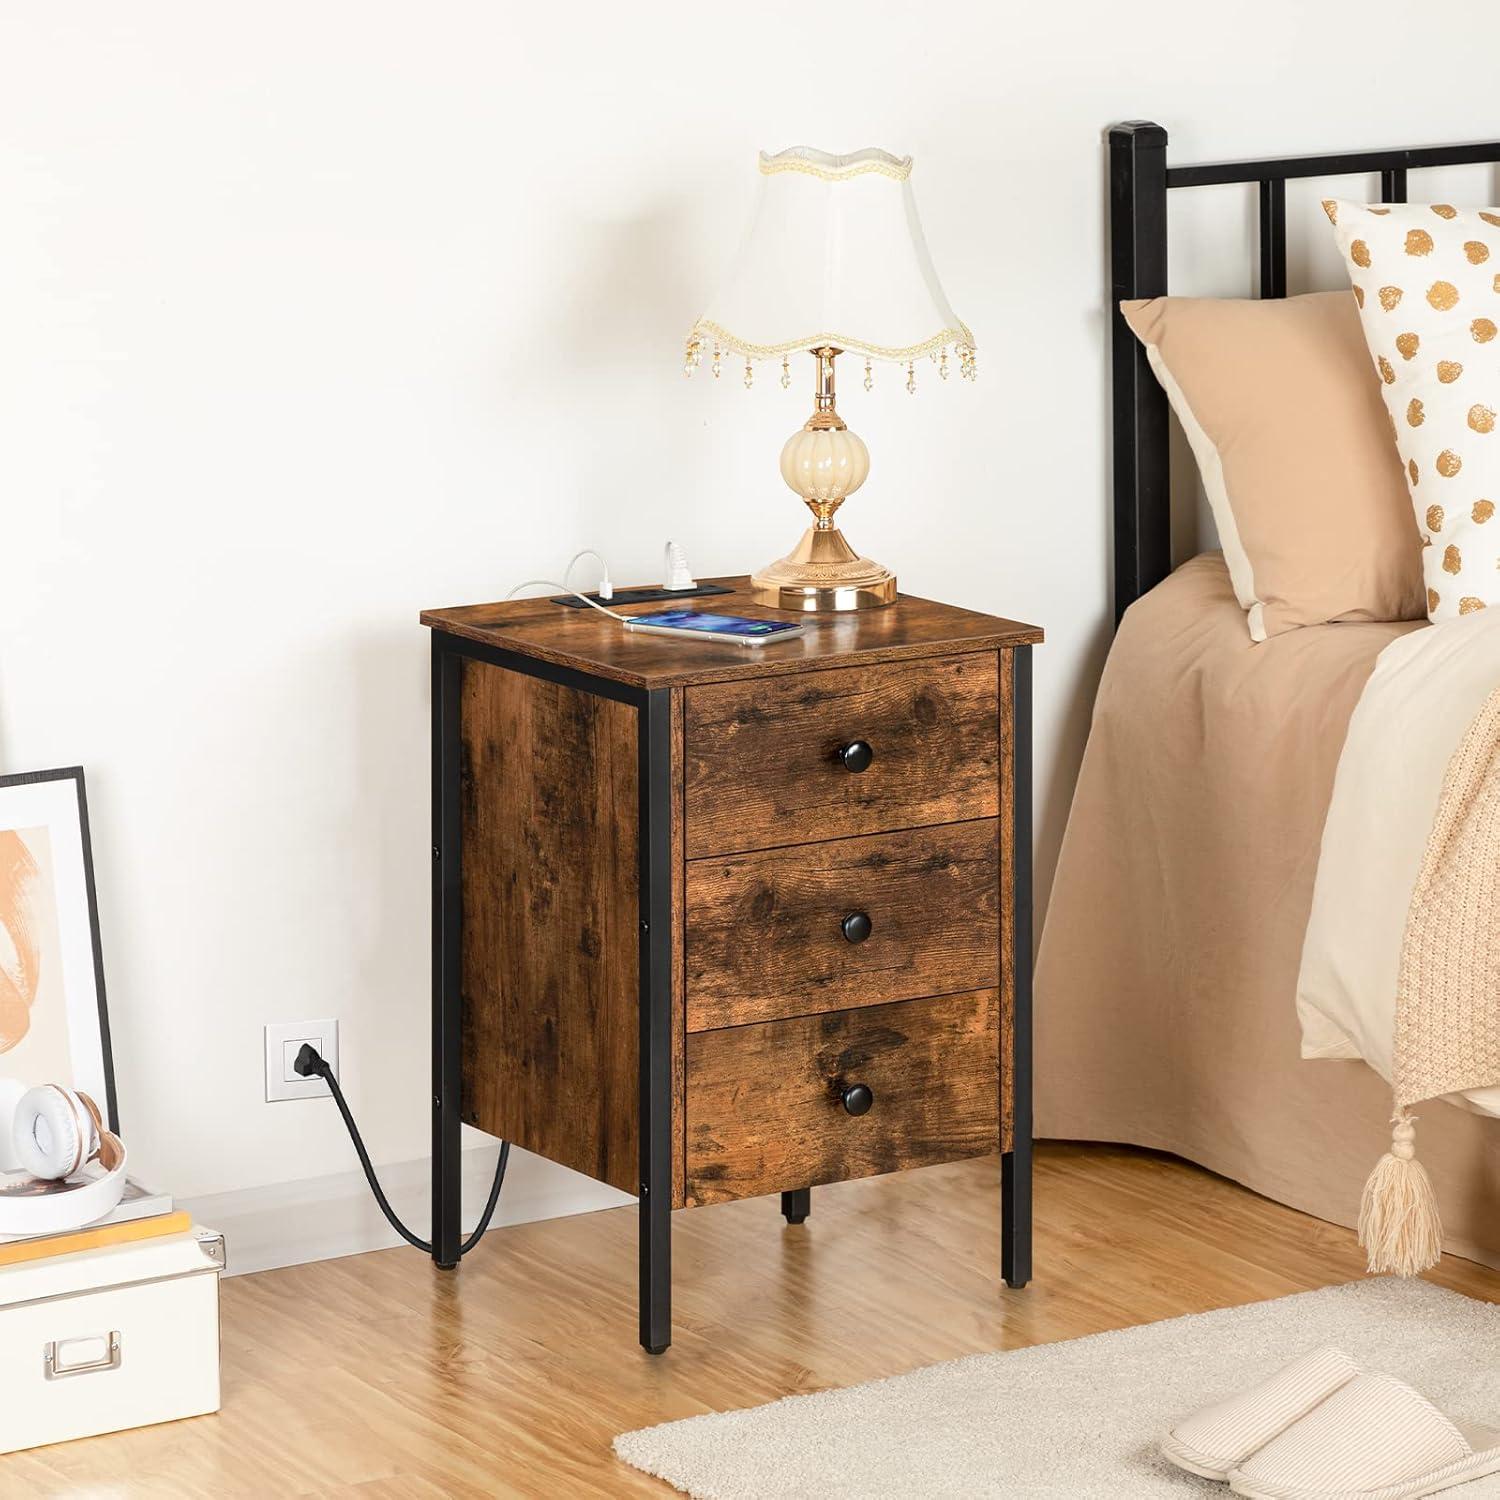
(1139, 178)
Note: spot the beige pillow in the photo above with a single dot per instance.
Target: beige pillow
(1284, 416)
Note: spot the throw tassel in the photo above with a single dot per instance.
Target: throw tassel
(1399, 1224)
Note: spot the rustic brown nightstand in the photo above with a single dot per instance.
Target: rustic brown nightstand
(711, 922)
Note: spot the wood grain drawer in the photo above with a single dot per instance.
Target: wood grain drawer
(765, 1109)
(766, 930)
(762, 764)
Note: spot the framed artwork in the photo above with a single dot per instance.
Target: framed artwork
(53, 1024)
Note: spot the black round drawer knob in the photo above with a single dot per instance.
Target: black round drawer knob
(857, 755)
(855, 927)
(858, 1098)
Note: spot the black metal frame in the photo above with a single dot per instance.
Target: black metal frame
(1139, 180)
(653, 707)
(655, 747)
(1015, 1164)
(75, 775)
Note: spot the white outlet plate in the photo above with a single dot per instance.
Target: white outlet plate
(284, 1040)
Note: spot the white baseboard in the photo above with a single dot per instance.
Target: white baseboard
(289, 1223)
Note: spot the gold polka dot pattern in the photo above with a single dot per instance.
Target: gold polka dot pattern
(1439, 376)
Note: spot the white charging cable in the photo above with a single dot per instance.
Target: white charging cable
(606, 588)
(552, 583)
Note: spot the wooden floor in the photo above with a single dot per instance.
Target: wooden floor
(379, 1378)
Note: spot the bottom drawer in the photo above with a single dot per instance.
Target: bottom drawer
(769, 1105)
(124, 1356)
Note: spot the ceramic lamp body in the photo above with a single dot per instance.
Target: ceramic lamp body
(825, 467)
(824, 463)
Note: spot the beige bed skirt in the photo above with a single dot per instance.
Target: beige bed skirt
(1167, 976)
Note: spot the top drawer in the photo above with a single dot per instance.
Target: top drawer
(775, 760)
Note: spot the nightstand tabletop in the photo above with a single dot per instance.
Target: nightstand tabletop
(586, 641)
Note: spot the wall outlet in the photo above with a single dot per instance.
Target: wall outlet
(284, 1040)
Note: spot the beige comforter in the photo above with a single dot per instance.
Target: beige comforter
(1399, 966)
(1167, 976)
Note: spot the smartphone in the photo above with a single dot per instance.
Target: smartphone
(698, 626)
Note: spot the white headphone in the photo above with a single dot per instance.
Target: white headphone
(53, 1132)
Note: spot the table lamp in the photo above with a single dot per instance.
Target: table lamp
(834, 263)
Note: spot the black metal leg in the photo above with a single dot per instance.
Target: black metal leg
(656, 1021)
(796, 1205)
(1015, 1164)
(447, 921)
(1015, 1216)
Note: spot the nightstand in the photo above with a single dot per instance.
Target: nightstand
(711, 922)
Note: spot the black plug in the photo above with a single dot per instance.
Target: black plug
(310, 1063)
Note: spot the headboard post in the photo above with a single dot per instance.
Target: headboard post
(1138, 268)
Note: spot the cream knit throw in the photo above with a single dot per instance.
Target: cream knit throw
(1448, 993)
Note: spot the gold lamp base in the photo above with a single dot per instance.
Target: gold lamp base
(824, 463)
(823, 573)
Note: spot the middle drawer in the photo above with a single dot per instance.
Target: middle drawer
(849, 922)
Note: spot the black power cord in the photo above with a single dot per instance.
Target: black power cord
(311, 1063)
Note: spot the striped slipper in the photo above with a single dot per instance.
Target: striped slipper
(1374, 1438)
(1216, 1439)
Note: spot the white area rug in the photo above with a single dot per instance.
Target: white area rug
(1077, 1420)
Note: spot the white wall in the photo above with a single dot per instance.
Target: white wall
(315, 314)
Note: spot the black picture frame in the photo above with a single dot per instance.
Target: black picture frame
(76, 776)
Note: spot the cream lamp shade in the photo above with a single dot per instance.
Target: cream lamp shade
(834, 257)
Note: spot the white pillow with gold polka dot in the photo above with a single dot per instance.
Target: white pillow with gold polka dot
(1427, 280)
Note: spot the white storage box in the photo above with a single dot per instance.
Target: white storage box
(107, 1339)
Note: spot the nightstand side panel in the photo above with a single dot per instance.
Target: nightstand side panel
(551, 921)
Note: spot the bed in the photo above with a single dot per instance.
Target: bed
(1167, 976)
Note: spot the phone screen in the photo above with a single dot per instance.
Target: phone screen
(692, 619)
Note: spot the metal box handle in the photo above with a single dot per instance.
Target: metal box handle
(57, 1366)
